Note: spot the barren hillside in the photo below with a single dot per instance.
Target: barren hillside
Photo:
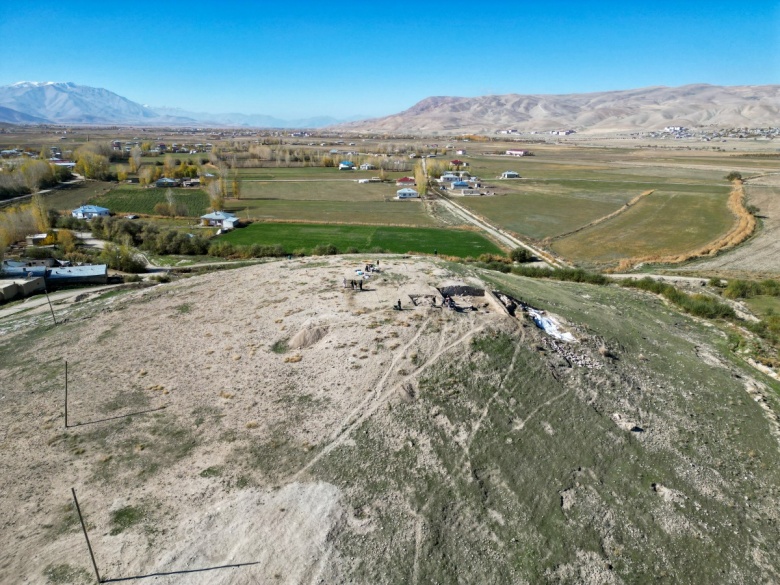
(266, 424)
(650, 108)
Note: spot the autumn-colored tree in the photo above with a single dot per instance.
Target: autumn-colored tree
(91, 165)
(164, 209)
(37, 174)
(420, 177)
(236, 187)
(216, 199)
(135, 159)
(16, 223)
(67, 240)
(40, 213)
(169, 165)
(145, 177)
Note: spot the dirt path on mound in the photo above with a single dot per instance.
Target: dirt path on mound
(363, 412)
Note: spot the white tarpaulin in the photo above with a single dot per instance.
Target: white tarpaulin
(549, 325)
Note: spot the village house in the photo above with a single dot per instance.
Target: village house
(166, 182)
(510, 175)
(406, 193)
(367, 167)
(221, 219)
(448, 179)
(90, 211)
(518, 152)
(405, 182)
(346, 165)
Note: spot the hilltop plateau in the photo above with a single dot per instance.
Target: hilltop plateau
(268, 424)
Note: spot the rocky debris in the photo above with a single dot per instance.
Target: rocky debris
(571, 355)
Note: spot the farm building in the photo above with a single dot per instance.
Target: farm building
(405, 182)
(10, 289)
(367, 167)
(35, 239)
(460, 185)
(56, 276)
(90, 274)
(346, 165)
(166, 182)
(222, 219)
(90, 211)
(510, 175)
(406, 193)
(520, 152)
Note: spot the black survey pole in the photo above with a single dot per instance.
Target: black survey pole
(84, 528)
(46, 290)
(66, 394)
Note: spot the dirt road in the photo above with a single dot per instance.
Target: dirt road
(504, 238)
(40, 303)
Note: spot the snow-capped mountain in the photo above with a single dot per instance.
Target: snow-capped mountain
(40, 102)
(69, 103)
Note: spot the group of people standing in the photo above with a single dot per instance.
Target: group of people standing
(354, 284)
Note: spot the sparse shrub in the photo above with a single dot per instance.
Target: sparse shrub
(698, 304)
(521, 255)
(734, 176)
(124, 518)
(222, 249)
(36, 253)
(280, 346)
(65, 573)
(741, 289)
(122, 258)
(325, 250)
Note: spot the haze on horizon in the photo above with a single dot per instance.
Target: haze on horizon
(318, 59)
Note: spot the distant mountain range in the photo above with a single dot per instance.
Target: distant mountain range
(650, 108)
(33, 102)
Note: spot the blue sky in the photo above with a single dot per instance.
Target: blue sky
(299, 59)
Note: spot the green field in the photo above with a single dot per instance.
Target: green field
(70, 197)
(547, 210)
(663, 223)
(405, 213)
(331, 189)
(364, 238)
(133, 199)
